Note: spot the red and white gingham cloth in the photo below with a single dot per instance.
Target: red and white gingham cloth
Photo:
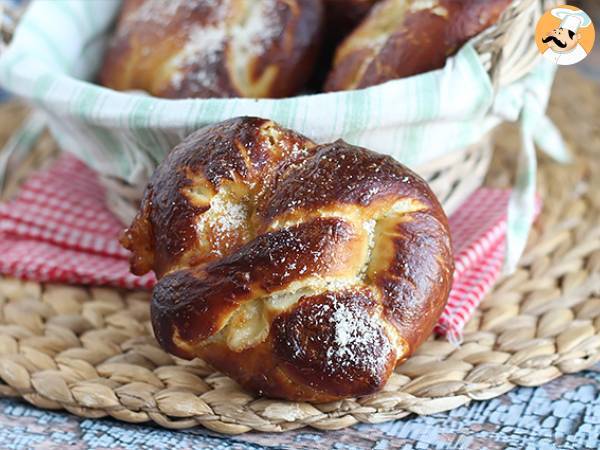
(59, 229)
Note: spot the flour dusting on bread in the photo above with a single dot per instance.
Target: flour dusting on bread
(224, 225)
(203, 49)
(261, 26)
(355, 333)
(207, 48)
(156, 13)
(214, 48)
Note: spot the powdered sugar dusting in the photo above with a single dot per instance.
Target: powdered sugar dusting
(207, 47)
(223, 219)
(298, 151)
(355, 335)
(204, 47)
(260, 27)
(159, 12)
(232, 217)
(213, 29)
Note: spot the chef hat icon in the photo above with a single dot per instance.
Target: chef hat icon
(572, 20)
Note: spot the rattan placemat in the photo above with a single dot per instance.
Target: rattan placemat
(91, 351)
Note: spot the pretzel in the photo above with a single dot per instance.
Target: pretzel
(303, 271)
(401, 38)
(208, 48)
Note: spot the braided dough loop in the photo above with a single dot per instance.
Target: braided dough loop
(303, 271)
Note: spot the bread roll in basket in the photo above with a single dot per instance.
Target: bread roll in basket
(204, 49)
(303, 271)
(401, 38)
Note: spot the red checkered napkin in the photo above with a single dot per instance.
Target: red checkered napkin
(59, 229)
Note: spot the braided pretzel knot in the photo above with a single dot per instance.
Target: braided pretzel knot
(303, 271)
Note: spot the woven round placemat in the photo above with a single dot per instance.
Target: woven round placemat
(91, 351)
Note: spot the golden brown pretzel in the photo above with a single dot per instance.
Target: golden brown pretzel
(303, 271)
(400, 38)
(207, 48)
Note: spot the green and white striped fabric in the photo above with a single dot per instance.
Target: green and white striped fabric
(59, 44)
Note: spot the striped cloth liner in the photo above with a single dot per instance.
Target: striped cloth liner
(59, 45)
(58, 229)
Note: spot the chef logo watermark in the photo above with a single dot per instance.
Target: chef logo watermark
(565, 35)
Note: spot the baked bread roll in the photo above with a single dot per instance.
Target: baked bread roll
(341, 17)
(303, 271)
(207, 48)
(400, 38)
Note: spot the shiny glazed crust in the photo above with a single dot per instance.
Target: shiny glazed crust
(303, 271)
(400, 38)
(207, 48)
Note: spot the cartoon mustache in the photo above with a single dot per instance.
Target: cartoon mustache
(556, 41)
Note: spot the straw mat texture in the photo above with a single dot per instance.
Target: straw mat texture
(91, 351)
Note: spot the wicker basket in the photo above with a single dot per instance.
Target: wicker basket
(505, 54)
(507, 51)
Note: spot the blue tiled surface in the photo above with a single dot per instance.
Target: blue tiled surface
(564, 414)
